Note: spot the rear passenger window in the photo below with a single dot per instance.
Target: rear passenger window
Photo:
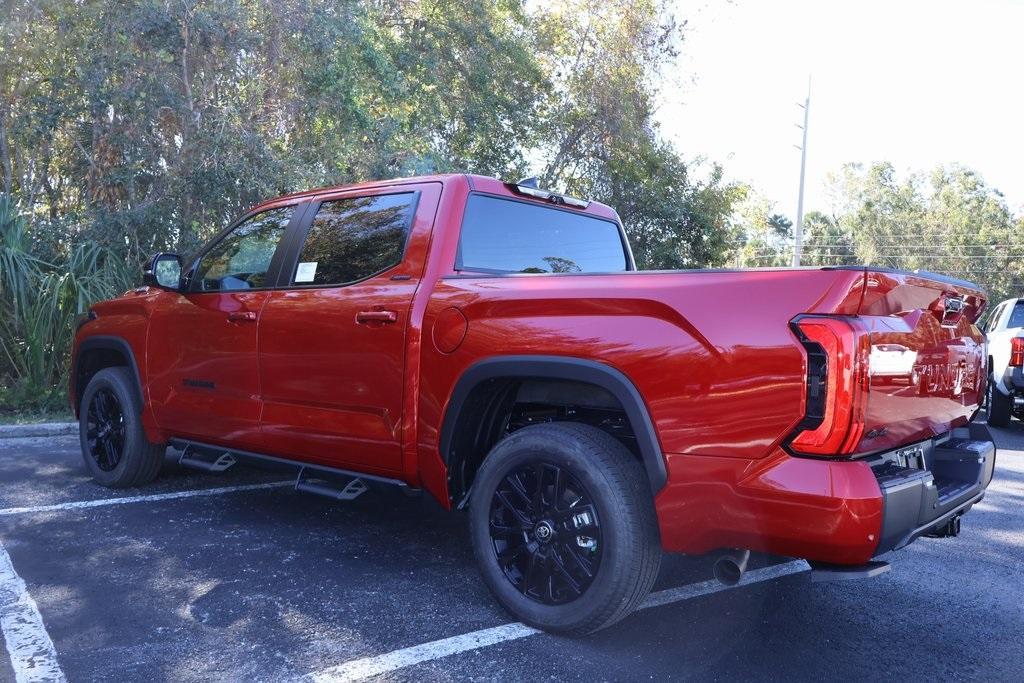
(1017, 316)
(354, 238)
(508, 236)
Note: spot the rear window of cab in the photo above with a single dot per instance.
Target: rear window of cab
(510, 236)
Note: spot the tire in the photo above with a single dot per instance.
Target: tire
(114, 447)
(999, 406)
(619, 544)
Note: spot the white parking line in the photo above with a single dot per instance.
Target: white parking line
(33, 656)
(360, 669)
(78, 505)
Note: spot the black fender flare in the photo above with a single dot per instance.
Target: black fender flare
(562, 368)
(109, 343)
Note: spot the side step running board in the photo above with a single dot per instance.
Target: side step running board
(841, 572)
(191, 458)
(332, 482)
(323, 486)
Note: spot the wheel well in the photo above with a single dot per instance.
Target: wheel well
(92, 360)
(499, 406)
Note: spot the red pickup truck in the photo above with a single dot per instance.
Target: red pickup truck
(493, 344)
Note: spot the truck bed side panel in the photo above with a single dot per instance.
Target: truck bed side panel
(711, 352)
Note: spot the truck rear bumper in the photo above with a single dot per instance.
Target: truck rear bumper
(838, 512)
(928, 485)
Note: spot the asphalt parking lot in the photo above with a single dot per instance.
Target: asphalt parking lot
(235, 577)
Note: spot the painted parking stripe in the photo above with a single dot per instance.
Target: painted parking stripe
(33, 657)
(360, 669)
(79, 505)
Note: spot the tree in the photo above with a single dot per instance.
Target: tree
(134, 126)
(761, 234)
(150, 124)
(826, 242)
(780, 226)
(598, 137)
(947, 221)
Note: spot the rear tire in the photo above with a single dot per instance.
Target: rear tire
(581, 548)
(114, 447)
(1000, 406)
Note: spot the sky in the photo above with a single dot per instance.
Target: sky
(918, 83)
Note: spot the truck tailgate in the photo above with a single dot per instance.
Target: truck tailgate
(925, 356)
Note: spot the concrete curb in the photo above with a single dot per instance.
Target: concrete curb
(41, 429)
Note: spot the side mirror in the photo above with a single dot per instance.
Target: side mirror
(164, 271)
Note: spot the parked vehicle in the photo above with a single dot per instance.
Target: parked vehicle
(494, 345)
(1005, 333)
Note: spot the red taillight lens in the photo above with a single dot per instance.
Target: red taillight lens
(1017, 352)
(836, 387)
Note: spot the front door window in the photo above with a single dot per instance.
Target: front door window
(242, 258)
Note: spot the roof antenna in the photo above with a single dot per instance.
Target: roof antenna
(530, 181)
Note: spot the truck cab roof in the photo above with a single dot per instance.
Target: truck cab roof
(468, 182)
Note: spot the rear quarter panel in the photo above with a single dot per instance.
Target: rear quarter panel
(711, 352)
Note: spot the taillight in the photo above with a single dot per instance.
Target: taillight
(1017, 352)
(836, 387)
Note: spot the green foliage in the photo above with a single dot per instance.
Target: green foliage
(761, 235)
(38, 304)
(946, 221)
(828, 242)
(136, 126)
(599, 139)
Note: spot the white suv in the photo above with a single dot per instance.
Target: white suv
(1005, 332)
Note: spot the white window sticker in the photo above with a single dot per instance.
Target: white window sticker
(306, 272)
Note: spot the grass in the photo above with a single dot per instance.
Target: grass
(24, 417)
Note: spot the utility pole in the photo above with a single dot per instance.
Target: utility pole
(799, 233)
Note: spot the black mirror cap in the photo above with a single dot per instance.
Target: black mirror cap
(164, 271)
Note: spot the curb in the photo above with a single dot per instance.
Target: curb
(41, 429)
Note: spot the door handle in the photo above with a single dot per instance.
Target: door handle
(242, 316)
(376, 317)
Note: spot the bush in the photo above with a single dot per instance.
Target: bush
(39, 301)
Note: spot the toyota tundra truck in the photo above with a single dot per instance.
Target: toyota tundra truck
(494, 345)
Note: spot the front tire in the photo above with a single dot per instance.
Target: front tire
(114, 447)
(563, 527)
(999, 406)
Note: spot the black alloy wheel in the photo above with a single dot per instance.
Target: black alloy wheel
(115, 450)
(545, 532)
(563, 527)
(105, 433)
